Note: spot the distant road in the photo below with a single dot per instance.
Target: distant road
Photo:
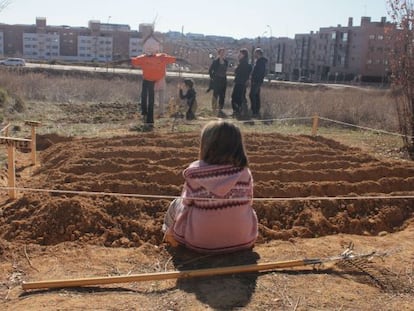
(183, 74)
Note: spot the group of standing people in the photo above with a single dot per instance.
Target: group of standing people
(244, 73)
(154, 69)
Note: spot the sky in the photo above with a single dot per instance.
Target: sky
(234, 18)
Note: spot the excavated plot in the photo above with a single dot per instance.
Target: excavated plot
(151, 164)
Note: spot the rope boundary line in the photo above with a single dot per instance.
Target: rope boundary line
(366, 128)
(154, 196)
(309, 118)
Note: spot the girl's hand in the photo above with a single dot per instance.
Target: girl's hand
(169, 238)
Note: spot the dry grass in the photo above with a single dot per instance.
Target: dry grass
(368, 107)
(365, 107)
(82, 104)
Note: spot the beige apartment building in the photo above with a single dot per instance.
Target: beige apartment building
(341, 53)
(344, 53)
(98, 42)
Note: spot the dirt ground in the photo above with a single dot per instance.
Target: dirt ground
(107, 230)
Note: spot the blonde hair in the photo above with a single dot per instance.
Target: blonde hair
(222, 143)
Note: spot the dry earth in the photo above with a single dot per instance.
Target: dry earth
(67, 235)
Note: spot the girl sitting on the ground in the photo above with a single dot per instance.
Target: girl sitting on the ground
(215, 213)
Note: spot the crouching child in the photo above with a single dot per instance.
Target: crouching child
(187, 92)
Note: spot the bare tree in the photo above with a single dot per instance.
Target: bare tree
(402, 67)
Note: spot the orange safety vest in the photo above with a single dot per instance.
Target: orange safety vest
(153, 66)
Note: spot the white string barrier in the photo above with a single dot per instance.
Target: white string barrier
(273, 120)
(365, 128)
(310, 118)
(171, 197)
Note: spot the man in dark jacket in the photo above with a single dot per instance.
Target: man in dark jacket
(241, 78)
(258, 74)
(218, 75)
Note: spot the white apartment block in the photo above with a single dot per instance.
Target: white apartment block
(41, 46)
(95, 48)
(135, 47)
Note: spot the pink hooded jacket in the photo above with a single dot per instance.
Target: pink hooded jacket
(218, 225)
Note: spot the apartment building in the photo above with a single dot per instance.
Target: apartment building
(1, 43)
(98, 42)
(197, 50)
(340, 53)
(344, 53)
(282, 56)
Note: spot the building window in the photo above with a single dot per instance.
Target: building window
(369, 61)
(380, 37)
(345, 37)
(371, 37)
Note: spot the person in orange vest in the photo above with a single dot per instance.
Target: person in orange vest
(153, 69)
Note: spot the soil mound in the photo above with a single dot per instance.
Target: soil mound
(151, 164)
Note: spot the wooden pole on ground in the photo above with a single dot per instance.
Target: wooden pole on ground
(12, 144)
(315, 125)
(33, 125)
(169, 275)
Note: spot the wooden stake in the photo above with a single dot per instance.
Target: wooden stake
(12, 144)
(11, 169)
(169, 275)
(33, 125)
(33, 145)
(315, 125)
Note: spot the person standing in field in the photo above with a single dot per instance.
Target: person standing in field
(241, 79)
(153, 69)
(218, 76)
(214, 213)
(258, 74)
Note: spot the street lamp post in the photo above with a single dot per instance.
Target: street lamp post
(271, 48)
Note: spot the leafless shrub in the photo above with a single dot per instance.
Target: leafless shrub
(351, 105)
(61, 89)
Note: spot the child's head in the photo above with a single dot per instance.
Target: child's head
(222, 143)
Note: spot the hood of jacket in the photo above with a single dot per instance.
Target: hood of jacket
(217, 179)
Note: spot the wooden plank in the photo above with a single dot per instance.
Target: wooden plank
(169, 275)
(19, 143)
(32, 123)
